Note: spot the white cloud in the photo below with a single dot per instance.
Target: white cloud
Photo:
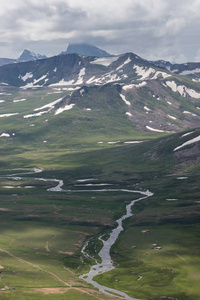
(153, 29)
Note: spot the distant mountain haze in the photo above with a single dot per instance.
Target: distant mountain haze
(86, 50)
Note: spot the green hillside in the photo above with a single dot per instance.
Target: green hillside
(43, 232)
(73, 158)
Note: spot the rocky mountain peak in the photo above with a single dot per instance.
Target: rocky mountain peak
(86, 50)
(29, 56)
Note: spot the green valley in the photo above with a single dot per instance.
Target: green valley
(72, 159)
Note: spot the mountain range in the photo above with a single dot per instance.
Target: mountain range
(153, 99)
(82, 137)
(82, 49)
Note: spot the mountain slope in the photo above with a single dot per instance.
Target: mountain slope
(73, 69)
(146, 97)
(99, 132)
(149, 98)
(7, 61)
(191, 69)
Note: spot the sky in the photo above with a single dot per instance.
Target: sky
(152, 29)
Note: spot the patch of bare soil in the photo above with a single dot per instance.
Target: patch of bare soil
(47, 291)
(65, 252)
(5, 209)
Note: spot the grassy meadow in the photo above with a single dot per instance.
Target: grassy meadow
(42, 232)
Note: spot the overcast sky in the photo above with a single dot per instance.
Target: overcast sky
(153, 29)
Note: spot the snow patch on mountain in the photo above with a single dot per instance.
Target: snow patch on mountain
(49, 105)
(189, 72)
(144, 72)
(133, 142)
(66, 107)
(37, 114)
(109, 77)
(182, 90)
(5, 135)
(82, 92)
(149, 73)
(33, 83)
(8, 115)
(125, 63)
(162, 74)
(63, 82)
(105, 61)
(188, 133)
(189, 113)
(80, 76)
(39, 79)
(106, 78)
(91, 80)
(19, 100)
(153, 129)
(130, 86)
(26, 76)
(124, 99)
(171, 117)
(194, 140)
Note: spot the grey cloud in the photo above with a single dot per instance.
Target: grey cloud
(151, 28)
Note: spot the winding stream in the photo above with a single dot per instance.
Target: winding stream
(106, 261)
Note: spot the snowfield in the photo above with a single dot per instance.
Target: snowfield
(63, 82)
(124, 99)
(19, 100)
(105, 61)
(194, 140)
(80, 76)
(125, 63)
(189, 72)
(182, 90)
(26, 76)
(188, 133)
(130, 86)
(49, 105)
(171, 117)
(8, 115)
(149, 73)
(5, 135)
(153, 129)
(36, 115)
(66, 107)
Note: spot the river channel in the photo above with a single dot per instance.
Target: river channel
(106, 261)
